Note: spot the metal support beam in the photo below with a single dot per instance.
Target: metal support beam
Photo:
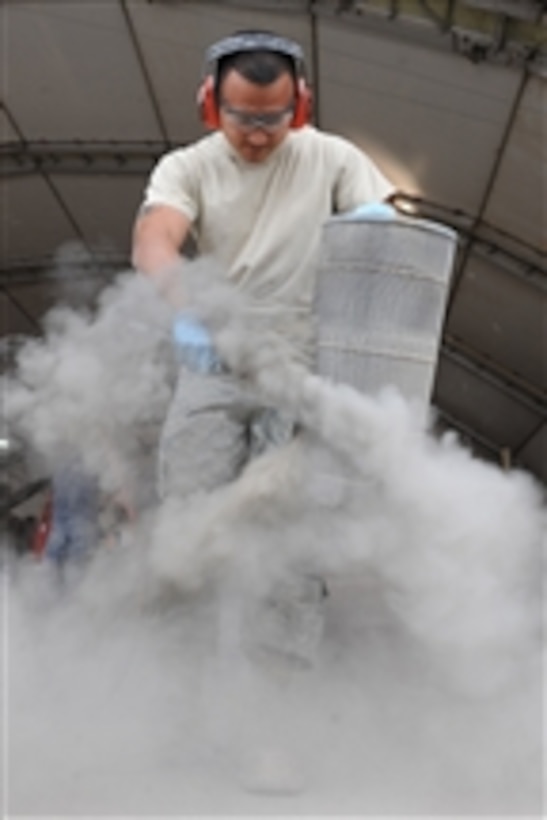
(19, 307)
(314, 30)
(458, 277)
(529, 272)
(516, 387)
(485, 443)
(46, 270)
(530, 10)
(518, 448)
(22, 495)
(79, 158)
(500, 452)
(512, 254)
(477, 35)
(149, 85)
(281, 6)
(52, 187)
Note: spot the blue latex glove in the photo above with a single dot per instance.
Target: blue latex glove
(194, 345)
(379, 211)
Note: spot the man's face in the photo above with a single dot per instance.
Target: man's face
(241, 101)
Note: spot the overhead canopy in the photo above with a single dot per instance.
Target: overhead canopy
(448, 97)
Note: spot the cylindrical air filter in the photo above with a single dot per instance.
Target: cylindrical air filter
(381, 296)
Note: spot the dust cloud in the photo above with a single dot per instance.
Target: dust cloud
(142, 684)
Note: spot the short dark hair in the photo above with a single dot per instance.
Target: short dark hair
(259, 67)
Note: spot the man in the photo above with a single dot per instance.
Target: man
(253, 195)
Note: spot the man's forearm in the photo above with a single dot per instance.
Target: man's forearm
(158, 237)
(154, 257)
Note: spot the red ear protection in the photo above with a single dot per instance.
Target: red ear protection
(210, 115)
(302, 105)
(207, 104)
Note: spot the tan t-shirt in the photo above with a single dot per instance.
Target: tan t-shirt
(262, 222)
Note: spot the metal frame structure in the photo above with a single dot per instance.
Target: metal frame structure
(508, 33)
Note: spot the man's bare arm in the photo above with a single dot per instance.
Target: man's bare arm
(158, 236)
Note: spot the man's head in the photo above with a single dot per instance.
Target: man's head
(255, 91)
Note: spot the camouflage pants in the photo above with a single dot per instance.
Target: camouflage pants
(214, 425)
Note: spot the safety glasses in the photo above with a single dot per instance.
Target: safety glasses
(270, 121)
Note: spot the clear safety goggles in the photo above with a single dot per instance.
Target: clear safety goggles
(270, 121)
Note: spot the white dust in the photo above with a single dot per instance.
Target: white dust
(133, 689)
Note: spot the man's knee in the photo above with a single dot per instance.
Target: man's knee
(202, 452)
